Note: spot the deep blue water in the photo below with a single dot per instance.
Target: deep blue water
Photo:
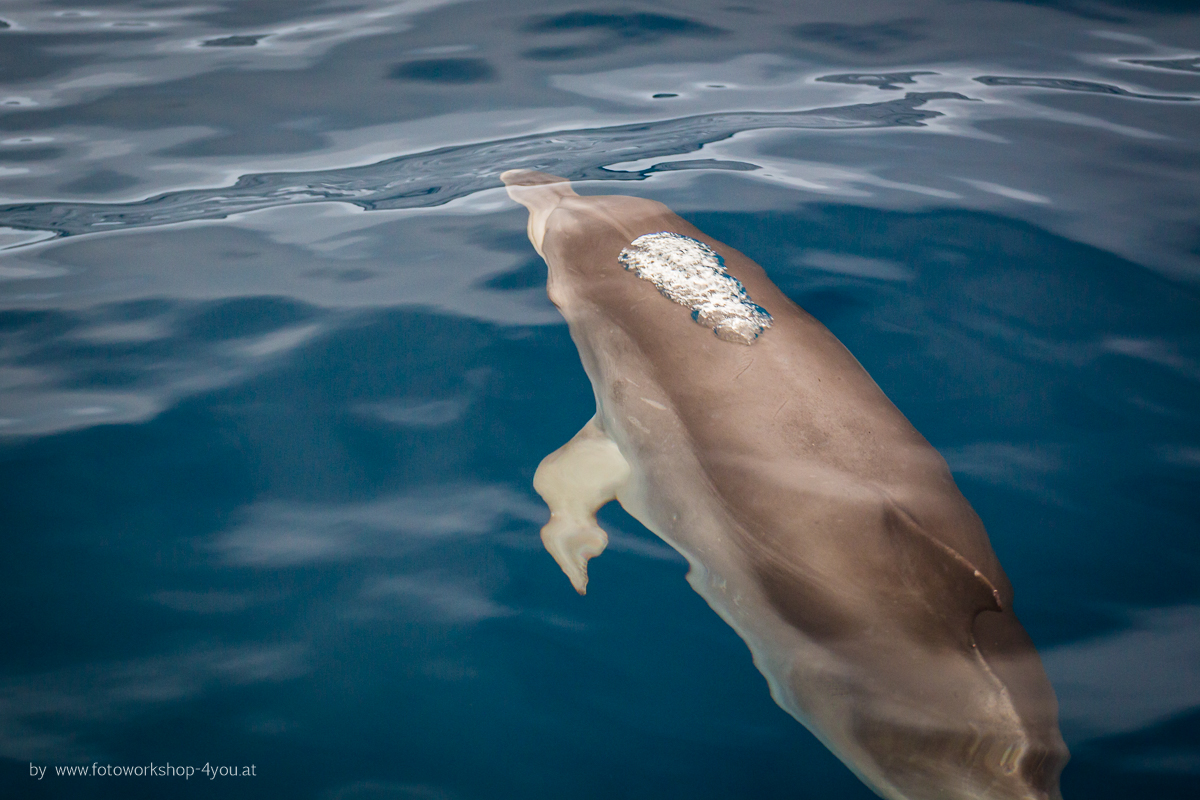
(277, 367)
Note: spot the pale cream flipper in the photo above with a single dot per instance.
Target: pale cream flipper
(575, 480)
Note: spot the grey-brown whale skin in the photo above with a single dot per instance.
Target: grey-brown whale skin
(817, 521)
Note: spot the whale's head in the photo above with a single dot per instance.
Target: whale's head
(541, 193)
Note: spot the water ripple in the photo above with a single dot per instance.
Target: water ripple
(436, 177)
(880, 80)
(1191, 64)
(1069, 85)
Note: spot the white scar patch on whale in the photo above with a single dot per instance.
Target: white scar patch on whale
(693, 275)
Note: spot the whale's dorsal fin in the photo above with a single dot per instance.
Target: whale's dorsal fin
(920, 570)
(931, 568)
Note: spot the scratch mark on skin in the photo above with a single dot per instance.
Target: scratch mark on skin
(743, 369)
(653, 404)
(637, 424)
(776, 414)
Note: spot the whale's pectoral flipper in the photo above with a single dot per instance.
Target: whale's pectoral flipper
(575, 480)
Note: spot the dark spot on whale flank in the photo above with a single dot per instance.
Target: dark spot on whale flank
(444, 70)
(609, 32)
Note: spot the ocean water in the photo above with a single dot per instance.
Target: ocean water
(277, 367)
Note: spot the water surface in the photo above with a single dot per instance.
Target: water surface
(277, 366)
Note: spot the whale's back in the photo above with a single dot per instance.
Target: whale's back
(818, 521)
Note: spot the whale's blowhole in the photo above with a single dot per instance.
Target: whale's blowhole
(692, 274)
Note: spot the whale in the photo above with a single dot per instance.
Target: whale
(815, 520)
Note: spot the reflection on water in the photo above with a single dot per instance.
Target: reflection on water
(434, 178)
(268, 437)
